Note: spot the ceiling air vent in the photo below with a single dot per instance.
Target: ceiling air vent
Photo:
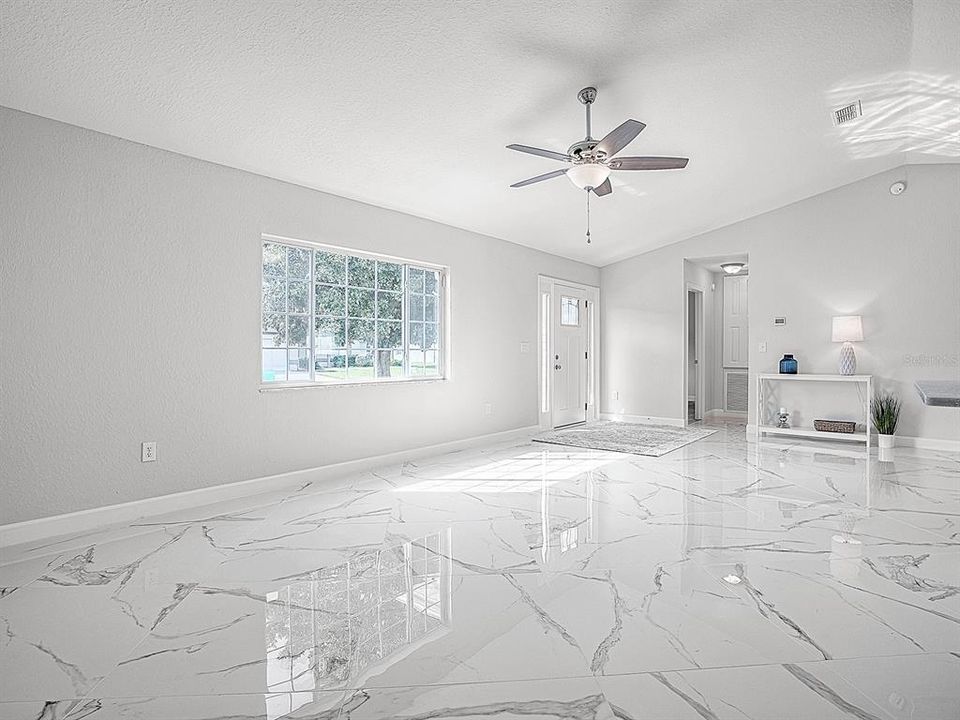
(848, 113)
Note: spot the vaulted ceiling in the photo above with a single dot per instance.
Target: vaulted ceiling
(408, 105)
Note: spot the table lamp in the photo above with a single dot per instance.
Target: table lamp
(847, 329)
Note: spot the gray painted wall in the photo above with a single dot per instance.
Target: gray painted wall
(130, 297)
(853, 250)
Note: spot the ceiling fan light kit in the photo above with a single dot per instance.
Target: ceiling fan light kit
(591, 161)
(588, 176)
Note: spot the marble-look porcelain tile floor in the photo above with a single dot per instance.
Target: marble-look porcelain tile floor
(726, 579)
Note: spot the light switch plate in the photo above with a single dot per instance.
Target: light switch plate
(524, 347)
(762, 347)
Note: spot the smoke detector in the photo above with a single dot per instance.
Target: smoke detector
(848, 113)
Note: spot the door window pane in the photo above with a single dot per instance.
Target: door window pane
(569, 310)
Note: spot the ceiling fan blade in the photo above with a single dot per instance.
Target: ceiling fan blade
(540, 178)
(604, 188)
(618, 138)
(553, 155)
(648, 163)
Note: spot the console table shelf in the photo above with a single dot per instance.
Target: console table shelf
(864, 381)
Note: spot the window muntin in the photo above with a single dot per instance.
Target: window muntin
(329, 316)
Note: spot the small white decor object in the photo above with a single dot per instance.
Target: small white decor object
(847, 329)
(782, 418)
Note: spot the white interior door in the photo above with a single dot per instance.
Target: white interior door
(735, 322)
(570, 347)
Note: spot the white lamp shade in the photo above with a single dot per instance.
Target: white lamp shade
(847, 328)
(588, 175)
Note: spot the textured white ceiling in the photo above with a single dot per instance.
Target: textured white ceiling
(408, 105)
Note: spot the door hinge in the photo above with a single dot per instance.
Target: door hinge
(584, 406)
(584, 356)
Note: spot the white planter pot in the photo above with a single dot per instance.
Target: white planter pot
(885, 442)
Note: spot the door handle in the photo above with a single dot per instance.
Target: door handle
(557, 367)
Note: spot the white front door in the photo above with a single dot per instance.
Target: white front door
(569, 366)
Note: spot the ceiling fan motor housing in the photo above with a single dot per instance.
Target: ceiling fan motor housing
(583, 151)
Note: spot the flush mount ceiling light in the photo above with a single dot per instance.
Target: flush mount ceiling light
(733, 579)
(732, 268)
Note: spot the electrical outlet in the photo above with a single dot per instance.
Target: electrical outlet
(762, 347)
(616, 394)
(148, 451)
(487, 409)
(524, 347)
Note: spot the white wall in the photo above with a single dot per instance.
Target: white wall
(853, 250)
(130, 289)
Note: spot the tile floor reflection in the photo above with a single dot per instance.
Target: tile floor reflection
(724, 580)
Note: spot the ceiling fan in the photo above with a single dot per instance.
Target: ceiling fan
(592, 160)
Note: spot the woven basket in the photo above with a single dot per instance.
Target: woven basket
(834, 426)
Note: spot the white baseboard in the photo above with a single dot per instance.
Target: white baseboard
(725, 414)
(30, 531)
(642, 419)
(920, 443)
(927, 443)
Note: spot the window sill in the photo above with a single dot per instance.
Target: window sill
(277, 387)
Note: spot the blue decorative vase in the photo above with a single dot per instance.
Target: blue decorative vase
(788, 365)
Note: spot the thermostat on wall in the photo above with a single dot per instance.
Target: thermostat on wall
(779, 321)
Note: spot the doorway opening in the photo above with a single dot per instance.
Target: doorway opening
(568, 353)
(716, 338)
(695, 355)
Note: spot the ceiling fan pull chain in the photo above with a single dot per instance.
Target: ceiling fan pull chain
(588, 215)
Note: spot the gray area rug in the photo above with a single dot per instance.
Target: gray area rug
(652, 440)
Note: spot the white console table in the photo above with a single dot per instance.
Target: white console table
(864, 381)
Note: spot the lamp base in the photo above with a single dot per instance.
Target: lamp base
(848, 359)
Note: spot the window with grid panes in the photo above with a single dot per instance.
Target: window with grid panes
(330, 316)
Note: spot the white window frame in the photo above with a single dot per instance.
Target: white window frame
(443, 310)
